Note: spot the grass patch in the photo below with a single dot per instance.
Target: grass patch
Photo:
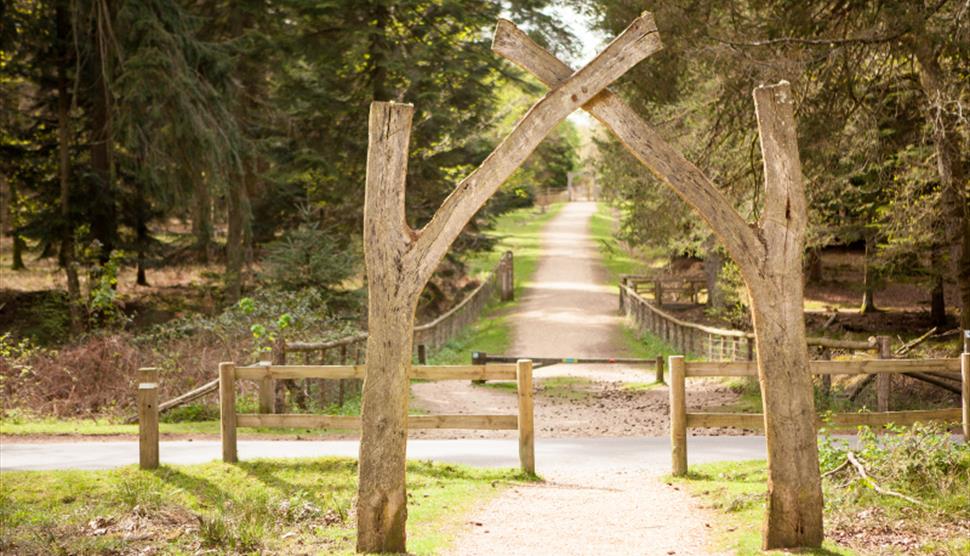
(617, 258)
(519, 231)
(922, 462)
(499, 385)
(263, 506)
(641, 386)
(736, 490)
(564, 387)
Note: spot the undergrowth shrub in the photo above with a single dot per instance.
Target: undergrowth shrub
(922, 461)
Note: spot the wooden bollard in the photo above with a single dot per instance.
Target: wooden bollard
(148, 425)
(227, 411)
(660, 370)
(527, 447)
(678, 416)
(965, 374)
(148, 375)
(883, 380)
(422, 354)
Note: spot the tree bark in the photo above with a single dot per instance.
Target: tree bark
(18, 242)
(235, 204)
(202, 218)
(950, 167)
(868, 278)
(813, 267)
(713, 265)
(770, 259)
(68, 259)
(104, 212)
(937, 299)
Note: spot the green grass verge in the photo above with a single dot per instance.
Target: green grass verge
(263, 506)
(616, 258)
(736, 490)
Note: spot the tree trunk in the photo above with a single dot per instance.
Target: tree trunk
(868, 279)
(67, 256)
(950, 167)
(813, 270)
(234, 239)
(202, 218)
(392, 296)
(713, 265)
(937, 299)
(794, 516)
(104, 213)
(8, 198)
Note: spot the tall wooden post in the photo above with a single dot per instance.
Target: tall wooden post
(148, 375)
(227, 411)
(507, 277)
(527, 449)
(965, 398)
(148, 425)
(678, 416)
(659, 370)
(883, 380)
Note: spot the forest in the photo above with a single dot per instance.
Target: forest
(163, 160)
(195, 193)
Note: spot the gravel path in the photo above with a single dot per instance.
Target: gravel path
(620, 507)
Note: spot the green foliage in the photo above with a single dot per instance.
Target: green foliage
(308, 257)
(103, 308)
(278, 506)
(923, 461)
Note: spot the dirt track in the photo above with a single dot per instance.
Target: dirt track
(569, 311)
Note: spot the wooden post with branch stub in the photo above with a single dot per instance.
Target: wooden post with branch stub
(399, 261)
(527, 445)
(769, 257)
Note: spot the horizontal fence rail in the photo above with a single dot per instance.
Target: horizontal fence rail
(521, 372)
(714, 344)
(681, 419)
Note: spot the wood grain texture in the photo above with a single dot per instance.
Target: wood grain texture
(856, 367)
(227, 412)
(755, 421)
(491, 371)
(349, 422)
(678, 416)
(148, 425)
(525, 422)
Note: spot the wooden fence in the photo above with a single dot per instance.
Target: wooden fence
(681, 420)
(714, 344)
(521, 371)
(668, 289)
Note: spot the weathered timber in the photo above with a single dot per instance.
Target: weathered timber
(525, 423)
(349, 422)
(148, 425)
(678, 416)
(227, 412)
(436, 372)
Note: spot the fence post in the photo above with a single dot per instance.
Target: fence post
(678, 416)
(658, 293)
(527, 447)
(148, 425)
(479, 358)
(826, 378)
(148, 375)
(422, 354)
(965, 375)
(883, 380)
(508, 277)
(227, 411)
(660, 369)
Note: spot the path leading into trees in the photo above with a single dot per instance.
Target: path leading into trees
(591, 503)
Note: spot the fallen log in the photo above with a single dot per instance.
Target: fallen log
(861, 470)
(905, 348)
(191, 395)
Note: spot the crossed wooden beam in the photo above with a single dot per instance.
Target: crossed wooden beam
(665, 161)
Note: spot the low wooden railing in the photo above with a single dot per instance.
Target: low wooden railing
(681, 420)
(679, 289)
(712, 343)
(521, 372)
